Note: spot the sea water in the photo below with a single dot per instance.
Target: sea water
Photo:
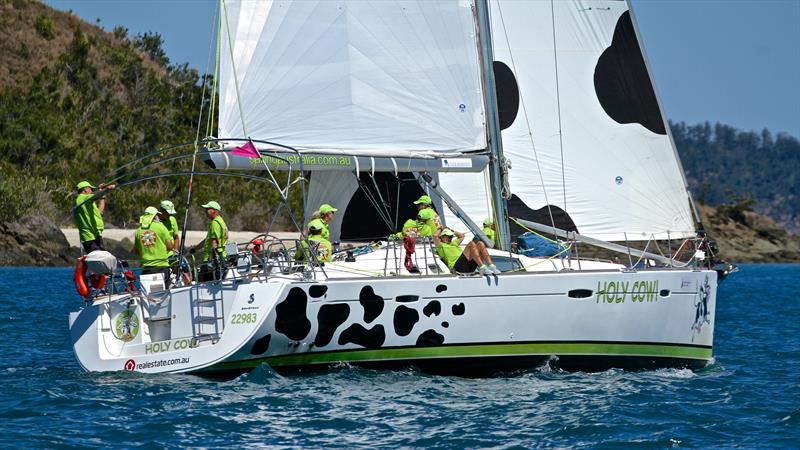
(749, 397)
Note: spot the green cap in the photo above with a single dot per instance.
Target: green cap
(447, 232)
(315, 225)
(326, 208)
(150, 210)
(425, 214)
(169, 207)
(84, 184)
(213, 205)
(488, 221)
(425, 200)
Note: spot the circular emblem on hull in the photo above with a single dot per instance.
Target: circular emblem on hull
(127, 326)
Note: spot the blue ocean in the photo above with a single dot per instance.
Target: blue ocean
(749, 397)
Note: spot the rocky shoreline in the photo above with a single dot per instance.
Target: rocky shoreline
(37, 241)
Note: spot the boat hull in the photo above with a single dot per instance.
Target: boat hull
(469, 326)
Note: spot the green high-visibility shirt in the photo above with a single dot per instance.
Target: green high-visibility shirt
(326, 231)
(171, 225)
(490, 234)
(151, 242)
(426, 228)
(409, 229)
(449, 252)
(324, 249)
(219, 231)
(88, 219)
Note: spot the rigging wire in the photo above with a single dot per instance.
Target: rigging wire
(197, 133)
(558, 103)
(528, 123)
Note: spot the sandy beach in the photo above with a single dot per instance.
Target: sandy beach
(193, 237)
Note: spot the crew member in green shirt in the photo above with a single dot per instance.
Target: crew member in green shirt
(320, 245)
(153, 244)
(425, 202)
(426, 222)
(166, 215)
(326, 215)
(217, 235)
(473, 256)
(89, 216)
(488, 229)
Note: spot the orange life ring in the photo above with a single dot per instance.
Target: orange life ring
(79, 278)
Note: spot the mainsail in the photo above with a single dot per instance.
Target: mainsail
(583, 127)
(393, 78)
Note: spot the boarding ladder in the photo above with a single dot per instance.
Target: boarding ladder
(208, 315)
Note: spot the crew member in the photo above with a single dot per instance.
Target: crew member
(425, 202)
(153, 244)
(426, 222)
(217, 236)
(166, 215)
(89, 216)
(319, 245)
(326, 216)
(473, 256)
(489, 230)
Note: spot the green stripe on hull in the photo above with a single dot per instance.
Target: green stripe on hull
(477, 351)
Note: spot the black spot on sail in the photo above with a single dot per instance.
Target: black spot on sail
(317, 290)
(291, 317)
(433, 308)
(261, 345)
(329, 318)
(430, 338)
(517, 208)
(372, 304)
(622, 83)
(404, 320)
(357, 334)
(507, 92)
(458, 309)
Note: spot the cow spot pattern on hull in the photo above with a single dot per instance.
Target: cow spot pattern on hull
(430, 338)
(317, 290)
(404, 320)
(372, 303)
(329, 318)
(261, 345)
(433, 308)
(458, 309)
(357, 334)
(290, 315)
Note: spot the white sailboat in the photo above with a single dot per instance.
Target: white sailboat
(437, 96)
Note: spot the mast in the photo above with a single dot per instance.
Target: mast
(493, 123)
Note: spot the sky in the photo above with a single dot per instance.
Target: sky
(731, 61)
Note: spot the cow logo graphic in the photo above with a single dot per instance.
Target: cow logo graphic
(701, 308)
(148, 238)
(127, 326)
(130, 365)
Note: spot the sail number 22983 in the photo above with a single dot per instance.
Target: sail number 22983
(243, 318)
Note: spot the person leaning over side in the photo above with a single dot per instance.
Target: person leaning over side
(166, 214)
(473, 256)
(153, 243)
(425, 202)
(89, 216)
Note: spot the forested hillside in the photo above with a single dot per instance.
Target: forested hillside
(78, 101)
(726, 166)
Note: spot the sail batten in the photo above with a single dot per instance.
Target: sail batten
(355, 75)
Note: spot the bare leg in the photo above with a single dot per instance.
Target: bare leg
(484, 254)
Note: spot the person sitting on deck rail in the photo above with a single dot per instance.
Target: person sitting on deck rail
(326, 216)
(425, 202)
(473, 256)
(319, 245)
(426, 222)
(89, 216)
(153, 244)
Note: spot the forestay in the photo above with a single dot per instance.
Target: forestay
(397, 78)
(575, 92)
